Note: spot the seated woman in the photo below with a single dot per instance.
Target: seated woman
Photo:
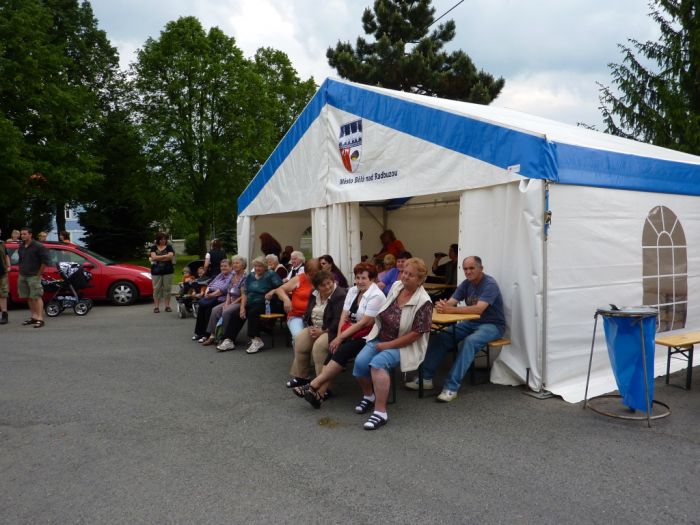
(327, 263)
(214, 294)
(294, 295)
(322, 318)
(273, 263)
(389, 271)
(392, 276)
(232, 304)
(390, 244)
(362, 303)
(257, 284)
(400, 336)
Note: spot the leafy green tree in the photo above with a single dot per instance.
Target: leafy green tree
(119, 208)
(56, 67)
(656, 93)
(210, 118)
(406, 56)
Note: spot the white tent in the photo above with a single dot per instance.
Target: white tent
(566, 219)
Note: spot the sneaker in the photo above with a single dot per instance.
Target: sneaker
(255, 346)
(446, 396)
(226, 345)
(413, 385)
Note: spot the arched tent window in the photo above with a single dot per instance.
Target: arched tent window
(306, 243)
(665, 268)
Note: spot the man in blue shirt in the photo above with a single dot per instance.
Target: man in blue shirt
(482, 296)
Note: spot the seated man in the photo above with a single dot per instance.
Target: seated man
(482, 296)
(448, 270)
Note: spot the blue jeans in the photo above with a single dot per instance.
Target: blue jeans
(473, 337)
(370, 357)
(295, 325)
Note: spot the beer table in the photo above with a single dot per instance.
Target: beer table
(680, 344)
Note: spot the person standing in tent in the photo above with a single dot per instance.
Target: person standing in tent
(390, 244)
(269, 245)
(482, 296)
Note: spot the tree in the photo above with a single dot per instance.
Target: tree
(56, 67)
(657, 86)
(210, 118)
(119, 208)
(406, 57)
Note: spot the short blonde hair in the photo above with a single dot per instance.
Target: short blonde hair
(389, 259)
(419, 265)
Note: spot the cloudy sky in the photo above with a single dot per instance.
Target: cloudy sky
(550, 52)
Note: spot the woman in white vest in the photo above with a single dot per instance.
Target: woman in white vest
(399, 337)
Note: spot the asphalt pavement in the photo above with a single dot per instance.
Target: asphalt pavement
(118, 417)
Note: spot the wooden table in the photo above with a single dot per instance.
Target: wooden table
(436, 289)
(680, 344)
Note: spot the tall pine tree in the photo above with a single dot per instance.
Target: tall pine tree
(656, 93)
(406, 56)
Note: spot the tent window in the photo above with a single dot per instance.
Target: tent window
(665, 268)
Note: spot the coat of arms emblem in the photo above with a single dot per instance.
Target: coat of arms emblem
(350, 144)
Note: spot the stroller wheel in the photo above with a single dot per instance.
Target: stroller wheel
(181, 310)
(82, 307)
(53, 308)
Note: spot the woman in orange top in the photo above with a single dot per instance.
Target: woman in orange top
(295, 294)
(390, 244)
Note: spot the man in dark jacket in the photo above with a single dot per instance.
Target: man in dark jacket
(33, 258)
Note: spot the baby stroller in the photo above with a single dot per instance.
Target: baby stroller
(186, 298)
(66, 291)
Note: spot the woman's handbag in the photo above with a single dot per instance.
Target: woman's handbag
(357, 335)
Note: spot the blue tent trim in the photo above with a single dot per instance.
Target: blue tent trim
(537, 157)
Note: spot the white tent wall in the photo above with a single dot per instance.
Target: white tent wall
(287, 228)
(594, 257)
(504, 226)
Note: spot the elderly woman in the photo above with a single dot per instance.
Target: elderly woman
(362, 303)
(294, 295)
(296, 263)
(231, 305)
(322, 319)
(399, 336)
(273, 263)
(327, 263)
(214, 294)
(260, 281)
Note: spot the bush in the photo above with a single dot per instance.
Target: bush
(192, 244)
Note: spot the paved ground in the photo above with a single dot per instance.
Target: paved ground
(118, 417)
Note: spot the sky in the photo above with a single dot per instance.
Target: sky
(550, 52)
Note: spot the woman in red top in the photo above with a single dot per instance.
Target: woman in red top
(390, 244)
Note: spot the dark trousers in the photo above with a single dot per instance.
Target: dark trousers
(205, 307)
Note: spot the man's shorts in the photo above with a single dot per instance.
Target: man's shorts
(29, 287)
(4, 290)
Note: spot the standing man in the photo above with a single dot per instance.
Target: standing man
(482, 296)
(33, 258)
(4, 289)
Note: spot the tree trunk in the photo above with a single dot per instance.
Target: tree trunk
(60, 217)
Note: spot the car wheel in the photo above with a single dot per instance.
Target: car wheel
(123, 293)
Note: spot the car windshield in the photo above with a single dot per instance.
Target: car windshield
(104, 260)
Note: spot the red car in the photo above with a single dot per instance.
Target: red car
(122, 284)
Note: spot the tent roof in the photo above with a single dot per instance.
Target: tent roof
(532, 146)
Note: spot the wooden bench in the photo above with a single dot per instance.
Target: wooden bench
(486, 350)
(272, 319)
(682, 344)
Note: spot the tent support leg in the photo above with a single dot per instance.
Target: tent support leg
(539, 394)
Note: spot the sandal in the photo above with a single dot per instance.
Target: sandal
(210, 341)
(156, 310)
(364, 406)
(313, 397)
(38, 323)
(300, 391)
(374, 422)
(29, 321)
(297, 381)
(168, 309)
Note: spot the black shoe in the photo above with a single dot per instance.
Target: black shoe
(297, 381)
(3, 318)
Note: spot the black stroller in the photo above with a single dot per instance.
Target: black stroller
(66, 292)
(186, 301)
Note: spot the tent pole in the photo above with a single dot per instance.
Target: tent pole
(541, 393)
